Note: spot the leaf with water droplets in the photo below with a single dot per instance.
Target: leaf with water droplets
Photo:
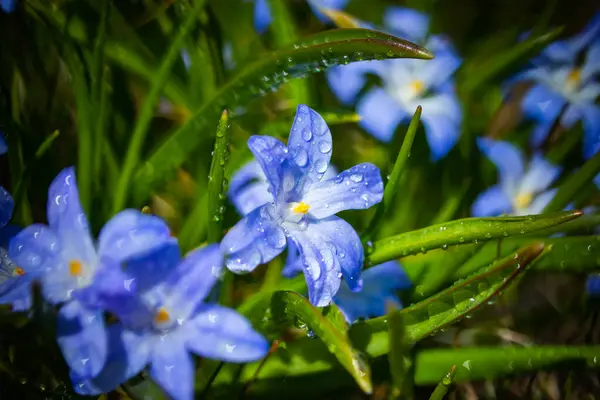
(442, 387)
(478, 363)
(217, 184)
(468, 230)
(313, 54)
(289, 307)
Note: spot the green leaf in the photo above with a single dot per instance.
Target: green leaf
(217, 184)
(480, 71)
(138, 136)
(574, 183)
(477, 363)
(442, 387)
(398, 354)
(391, 187)
(468, 230)
(305, 356)
(286, 306)
(311, 55)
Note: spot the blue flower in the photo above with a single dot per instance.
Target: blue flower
(8, 6)
(303, 209)
(566, 89)
(162, 324)
(63, 257)
(406, 85)
(3, 145)
(7, 206)
(523, 188)
(263, 17)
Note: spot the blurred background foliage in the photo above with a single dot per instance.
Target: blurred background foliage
(75, 77)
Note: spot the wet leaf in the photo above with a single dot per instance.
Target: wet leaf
(292, 307)
(217, 184)
(468, 230)
(442, 387)
(311, 55)
(492, 362)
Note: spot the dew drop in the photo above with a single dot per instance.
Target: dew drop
(301, 157)
(356, 178)
(321, 166)
(324, 146)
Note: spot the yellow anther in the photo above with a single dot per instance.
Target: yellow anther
(75, 268)
(574, 76)
(523, 200)
(19, 271)
(161, 316)
(301, 208)
(417, 86)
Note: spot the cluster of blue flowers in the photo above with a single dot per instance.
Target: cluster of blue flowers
(135, 273)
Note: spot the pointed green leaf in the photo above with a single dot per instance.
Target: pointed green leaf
(391, 187)
(478, 363)
(217, 184)
(442, 387)
(468, 230)
(286, 306)
(311, 55)
(305, 356)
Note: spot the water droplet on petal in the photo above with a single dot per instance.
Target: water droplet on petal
(356, 178)
(321, 166)
(306, 134)
(324, 146)
(301, 157)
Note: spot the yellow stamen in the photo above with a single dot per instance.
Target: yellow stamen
(161, 316)
(574, 76)
(301, 208)
(75, 268)
(417, 86)
(19, 271)
(523, 200)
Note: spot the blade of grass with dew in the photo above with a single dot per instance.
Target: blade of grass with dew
(138, 136)
(217, 184)
(441, 390)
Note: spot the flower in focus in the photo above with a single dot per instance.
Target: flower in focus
(63, 257)
(406, 85)
(263, 17)
(523, 188)
(165, 322)
(567, 89)
(8, 6)
(303, 209)
(380, 284)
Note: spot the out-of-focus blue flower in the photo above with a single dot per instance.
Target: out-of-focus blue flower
(304, 209)
(3, 145)
(7, 206)
(263, 17)
(8, 6)
(566, 89)
(164, 323)
(63, 257)
(406, 85)
(523, 189)
(380, 284)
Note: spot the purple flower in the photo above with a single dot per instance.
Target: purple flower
(161, 324)
(8, 6)
(523, 188)
(303, 209)
(64, 258)
(263, 17)
(406, 84)
(566, 89)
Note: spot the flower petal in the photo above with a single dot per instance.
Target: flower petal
(132, 234)
(248, 188)
(539, 175)
(66, 217)
(128, 354)
(591, 128)
(81, 335)
(272, 155)
(492, 202)
(192, 280)
(379, 286)
(330, 249)
(539, 203)
(310, 143)
(262, 15)
(7, 206)
(172, 368)
(438, 71)
(35, 249)
(317, 5)
(508, 159)
(356, 188)
(442, 118)
(254, 240)
(220, 333)
(346, 81)
(380, 114)
(591, 66)
(293, 263)
(407, 23)
(3, 145)
(542, 104)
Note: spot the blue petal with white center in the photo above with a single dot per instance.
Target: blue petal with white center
(302, 209)
(180, 324)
